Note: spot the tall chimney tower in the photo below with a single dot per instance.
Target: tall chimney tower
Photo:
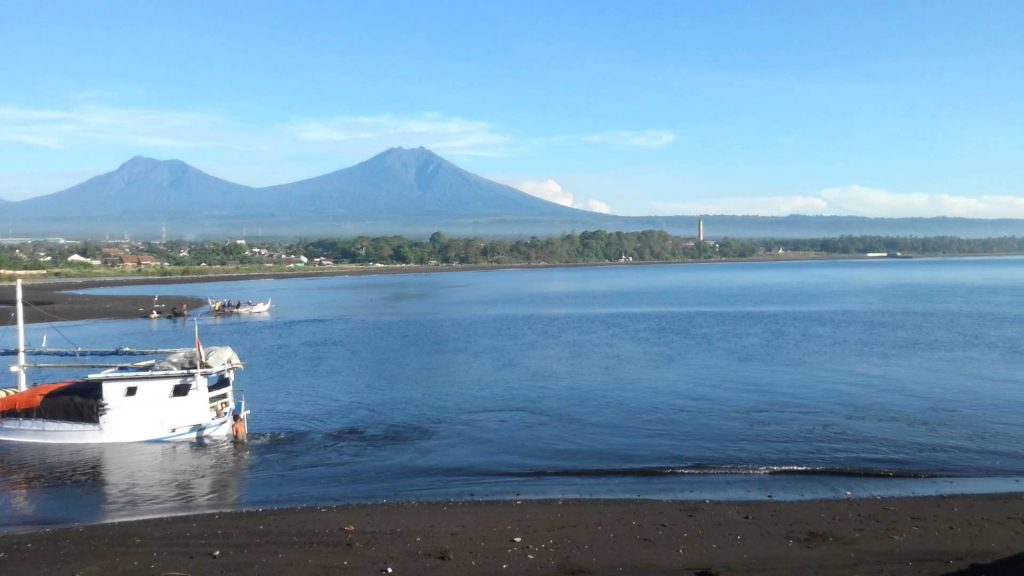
(700, 230)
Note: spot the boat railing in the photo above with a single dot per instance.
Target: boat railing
(75, 352)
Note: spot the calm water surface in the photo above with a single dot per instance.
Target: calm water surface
(726, 381)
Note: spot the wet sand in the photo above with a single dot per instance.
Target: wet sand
(51, 299)
(48, 299)
(957, 535)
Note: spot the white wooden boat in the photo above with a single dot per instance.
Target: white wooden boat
(177, 394)
(218, 307)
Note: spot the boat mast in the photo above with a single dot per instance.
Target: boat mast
(20, 368)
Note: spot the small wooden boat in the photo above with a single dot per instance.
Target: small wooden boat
(218, 307)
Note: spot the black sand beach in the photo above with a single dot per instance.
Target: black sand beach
(52, 300)
(48, 298)
(956, 535)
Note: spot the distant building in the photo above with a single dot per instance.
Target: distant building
(129, 260)
(83, 260)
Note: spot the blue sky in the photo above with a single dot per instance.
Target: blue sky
(674, 107)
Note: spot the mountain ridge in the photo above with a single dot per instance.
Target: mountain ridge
(414, 182)
(136, 186)
(402, 191)
(411, 192)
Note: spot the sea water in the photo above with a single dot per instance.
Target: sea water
(787, 380)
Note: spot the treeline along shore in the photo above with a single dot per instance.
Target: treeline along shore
(178, 257)
(54, 269)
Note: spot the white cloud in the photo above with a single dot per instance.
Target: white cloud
(90, 124)
(91, 133)
(553, 192)
(453, 134)
(443, 134)
(865, 201)
(547, 189)
(595, 206)
(323, 132)
(765, 206)
(855, 200)
(631, 139)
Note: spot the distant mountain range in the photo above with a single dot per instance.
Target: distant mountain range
(411, 192)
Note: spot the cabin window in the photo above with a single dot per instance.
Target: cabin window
(222, 382)
(180, 390)
(218, 398)
(131, 390)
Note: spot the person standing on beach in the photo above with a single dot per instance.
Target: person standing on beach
(238, 431)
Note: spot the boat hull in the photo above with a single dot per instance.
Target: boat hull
(170, 400)
(257, 308)
(57, 432)
(187, 395)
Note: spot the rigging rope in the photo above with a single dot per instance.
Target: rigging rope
(123, 351)
(11, 321)
(51, 324)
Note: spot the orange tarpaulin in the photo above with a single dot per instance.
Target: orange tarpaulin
(30, 398)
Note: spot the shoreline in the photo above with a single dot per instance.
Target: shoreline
(49, 299)
(951, 535)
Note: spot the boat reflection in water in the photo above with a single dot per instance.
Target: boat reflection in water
(52, 484)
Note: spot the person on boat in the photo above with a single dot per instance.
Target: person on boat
(184, 309)
(175, 313)
(238, 431)
(238, 305)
